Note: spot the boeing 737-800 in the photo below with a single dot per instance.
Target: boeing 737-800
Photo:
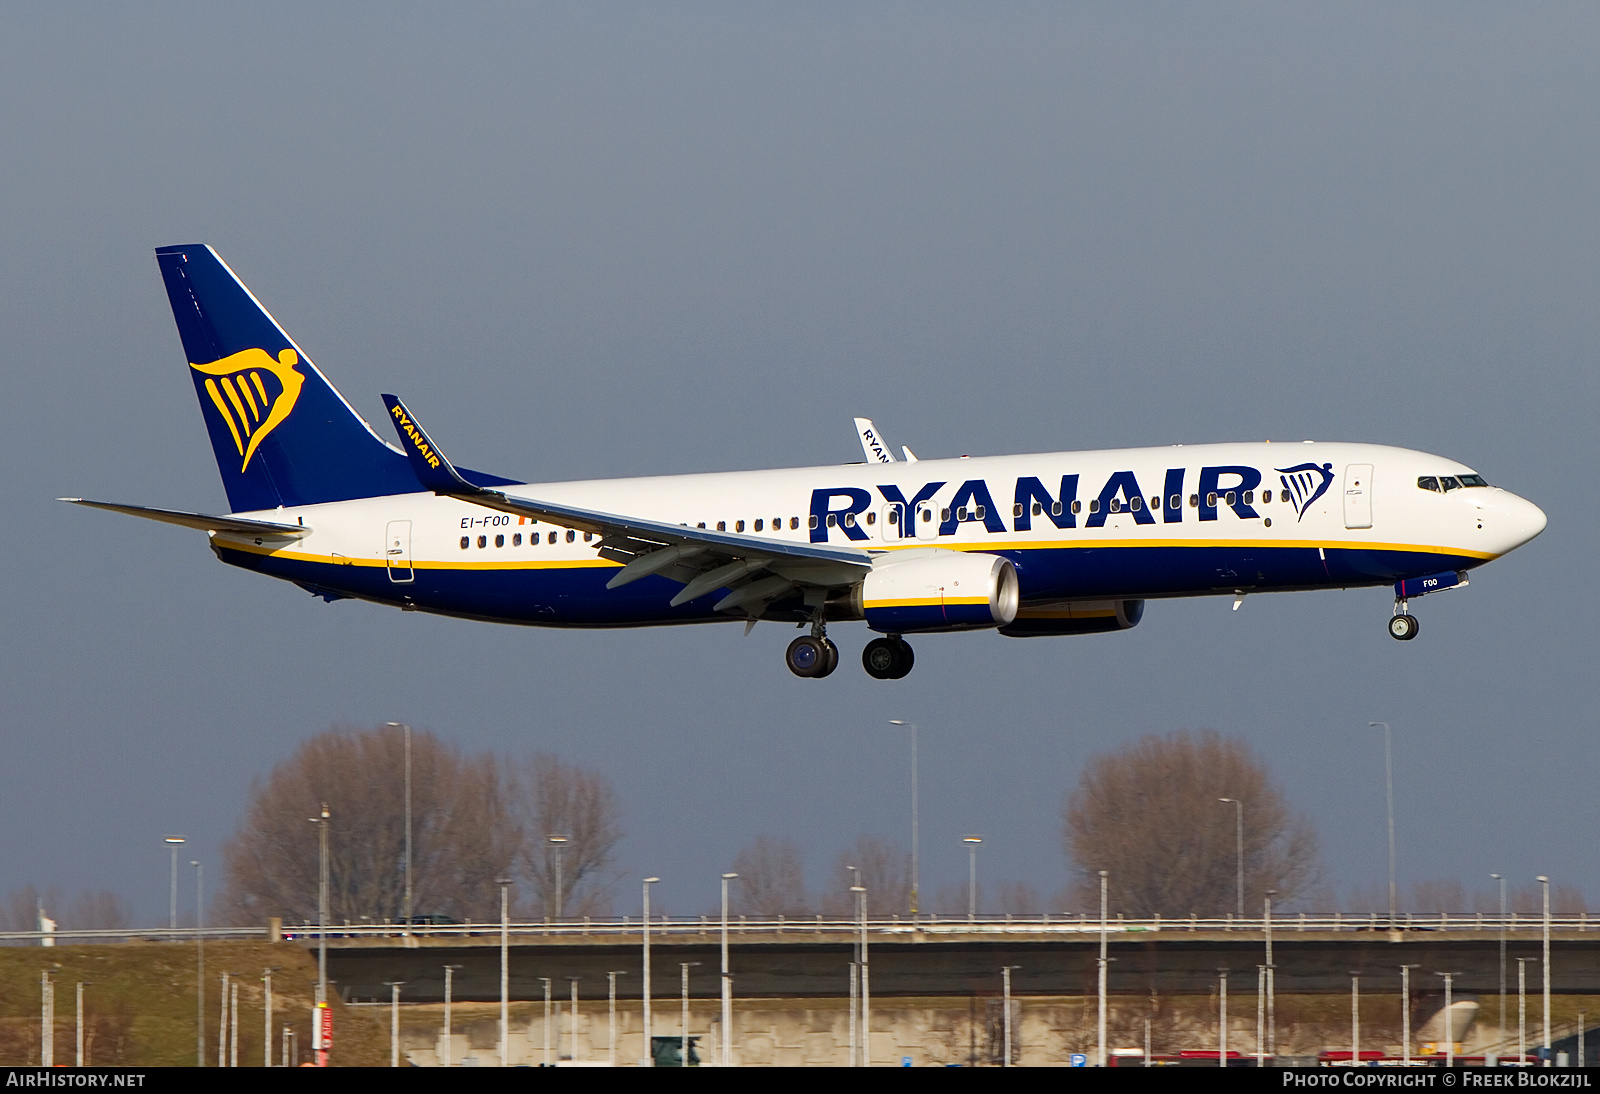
(1062, 543)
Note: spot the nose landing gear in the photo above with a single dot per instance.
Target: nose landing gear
(1403, 626)
(887, 658)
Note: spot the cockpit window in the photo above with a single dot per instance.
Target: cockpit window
(1449, 482)
(1473, 480)
(1428, 482)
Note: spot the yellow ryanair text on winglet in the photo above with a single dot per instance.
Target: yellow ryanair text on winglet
(423, 448)
(235, 386)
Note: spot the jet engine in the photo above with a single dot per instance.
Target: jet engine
(1060, 617)
(937, 590)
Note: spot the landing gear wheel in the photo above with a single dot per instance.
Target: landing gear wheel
(833, 658)
(887, 658)
(808, 656)
(1404, 627)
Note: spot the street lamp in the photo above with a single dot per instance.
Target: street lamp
(321, 821)
(174, 842)
(394, 1021)
(1522, 1010)
(1100, 1025)
(1549, 1050)
(683, 1049)
(1502, 880)
(407, 729)
(649, 1046)
(1405, 1012)
(505, 971)
(200, 964)
(449, 984)
(972, 876)
(913, 726)
(727, 981)
(1355, 1019)
(1238, 825)
(1222, 1018)
(1272, 973)
(1388, 776)
(611, 1009)
(560, 844)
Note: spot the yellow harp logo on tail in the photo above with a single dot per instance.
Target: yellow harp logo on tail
(241, 386)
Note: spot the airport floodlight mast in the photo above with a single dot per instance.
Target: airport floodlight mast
(1100, 1023)
(321, 821)
(505, 971)
(1544, 883)
(200, 963)
(914, 879)
(1238, 825)
(649, 1057)
(727, 981)
(1502, 880)
(174, 842)
(449, 984)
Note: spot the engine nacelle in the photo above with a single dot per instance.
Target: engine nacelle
(938, 590)
(1062, 617)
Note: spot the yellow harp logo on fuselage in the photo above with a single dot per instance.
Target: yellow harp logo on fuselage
(242, 396)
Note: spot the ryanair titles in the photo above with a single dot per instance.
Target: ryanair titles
(1229, 486)
(424, 449)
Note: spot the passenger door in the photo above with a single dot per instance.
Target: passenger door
(1358, 495)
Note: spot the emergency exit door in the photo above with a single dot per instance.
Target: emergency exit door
(1358, 495)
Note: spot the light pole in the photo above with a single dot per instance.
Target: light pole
(727, 981)
(972, 876)
(866, 989)
(560, 844)
(611, 1009)
(174, 842)
(1272, 973)
(200, 964)
(1501, 879)
(1405, 1012)
(266, 1025)
(1355, 1019)
(1522, 1010)
(683, 1049)
(1238, 826)
(545, 980)
(1549, 1050)
(913, 726)
(1388, 777)
(1449, 1022)
(649, 1045)
(505, 971)
(321, 821)
(1222, 1018)
(1100, 1025)
(1005, 978)
(81, 983)
(407, 729)
(449, 1032)
(394, 1021)
(572, 1030)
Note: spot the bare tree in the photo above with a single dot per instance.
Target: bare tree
(1149, 814)
(885, 871)
(578, 809)
(771, 879)
(462, 836)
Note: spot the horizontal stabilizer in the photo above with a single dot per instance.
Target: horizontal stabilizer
(202, 521)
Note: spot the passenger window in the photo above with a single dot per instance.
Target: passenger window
(1175, 502)
(516, 540)
(1055, 508)
(552, 537)
(760, 524)
(1016, 510)
(571, 535)
(483, 541)
(849, 520)
(1077, 506)
(1094, 505)
(1155, 503)
(465, 541)
(833, 520)
(1211, 500)
(1136, 503)
(872, 518)
(722, 526)
(1116, 505)
(944, 514)
(982, 510)
(1249, 496)
(1194, 501)
(738, 526)
(1038, 510)
(894, 515)
(1231, 497)
(499, 541)
(702, 524)
(811, 521)
(587, 536)
(777, 524)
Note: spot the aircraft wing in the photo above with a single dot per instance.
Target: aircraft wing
(203, 521)
(756, 571)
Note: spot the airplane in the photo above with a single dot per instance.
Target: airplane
(1050, 544)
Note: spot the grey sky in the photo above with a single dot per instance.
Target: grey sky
(606, 240)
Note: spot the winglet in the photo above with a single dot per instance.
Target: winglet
(872, 442)
(433, 471)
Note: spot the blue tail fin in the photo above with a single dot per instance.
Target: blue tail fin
(282, 434)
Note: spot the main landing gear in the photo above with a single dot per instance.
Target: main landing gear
(814, 655)
(887, 658)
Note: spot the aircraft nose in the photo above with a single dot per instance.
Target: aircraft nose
(1519, 518)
